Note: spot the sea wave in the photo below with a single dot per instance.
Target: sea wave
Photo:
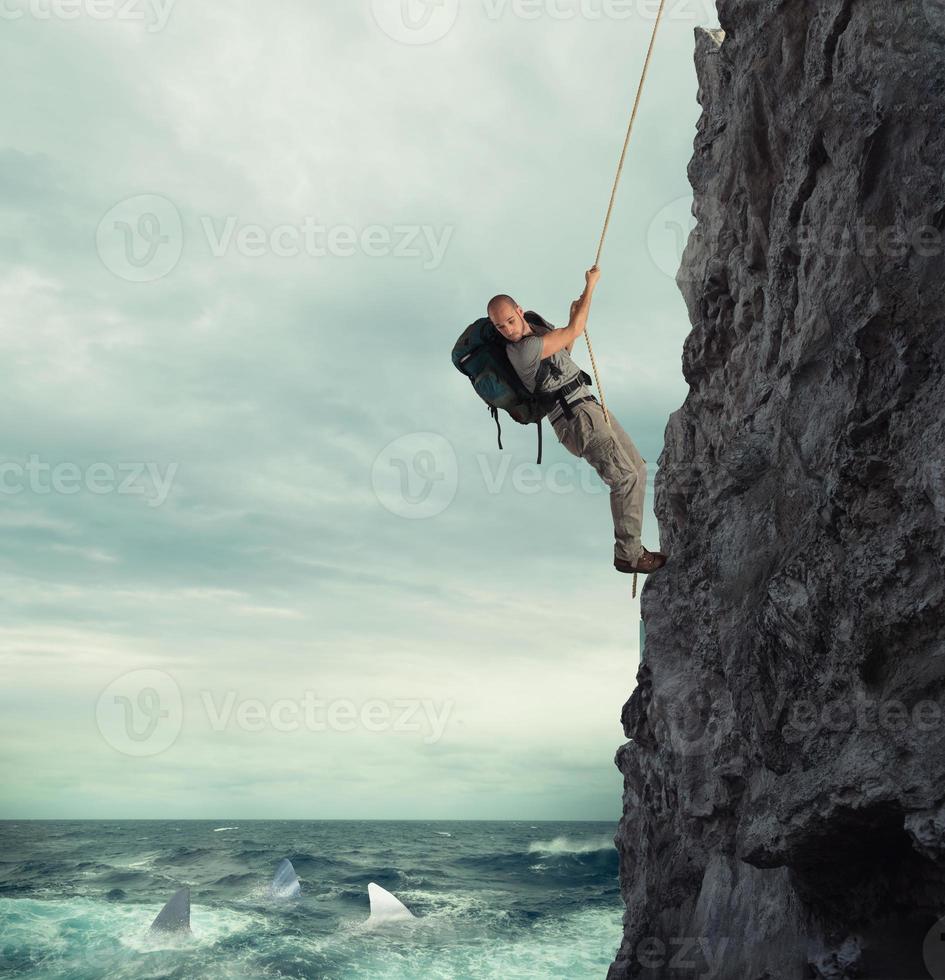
(183, 855)
(504, 901)
(565, 845)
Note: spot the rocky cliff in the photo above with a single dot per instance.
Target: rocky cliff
(785, 778)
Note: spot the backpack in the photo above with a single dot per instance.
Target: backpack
(480, 355)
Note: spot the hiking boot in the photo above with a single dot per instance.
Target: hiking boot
(649, 561)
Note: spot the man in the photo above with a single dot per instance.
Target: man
(544, 364)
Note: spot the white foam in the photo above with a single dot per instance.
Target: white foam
(578, 945)
(77, 923)
(564, 845)
(143, 862)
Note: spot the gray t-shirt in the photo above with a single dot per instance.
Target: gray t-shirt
(540, 375)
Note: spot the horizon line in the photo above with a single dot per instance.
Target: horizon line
(4, 820)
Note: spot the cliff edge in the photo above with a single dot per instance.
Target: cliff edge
(784, 800)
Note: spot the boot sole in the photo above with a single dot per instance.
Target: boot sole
(640, 571)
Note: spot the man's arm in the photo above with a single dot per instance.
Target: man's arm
(564, 338)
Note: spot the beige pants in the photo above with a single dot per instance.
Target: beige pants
(618, 463)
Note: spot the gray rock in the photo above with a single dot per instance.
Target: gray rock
(785, 779)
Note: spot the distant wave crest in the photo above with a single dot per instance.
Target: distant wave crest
(564, 845)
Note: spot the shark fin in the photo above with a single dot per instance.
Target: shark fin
(286, 882)
(386, 907)
(175, 916)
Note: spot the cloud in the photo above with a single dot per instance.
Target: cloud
(270, 385)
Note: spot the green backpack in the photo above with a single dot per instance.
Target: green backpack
(480, 355)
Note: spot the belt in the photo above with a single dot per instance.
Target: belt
(561, 405)
(558, 413)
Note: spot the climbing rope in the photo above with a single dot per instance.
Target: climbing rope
(613, 193)
(610, 208)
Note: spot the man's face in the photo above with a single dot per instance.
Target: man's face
(510, 321)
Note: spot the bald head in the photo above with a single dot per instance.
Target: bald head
(508, 317)
(501, 300)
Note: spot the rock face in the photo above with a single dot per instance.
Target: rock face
(784, 803)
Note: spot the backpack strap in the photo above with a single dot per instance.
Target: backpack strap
(560, 397)
(540, 326)
(494, 412)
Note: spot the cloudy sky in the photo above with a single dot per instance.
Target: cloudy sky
(261, 555)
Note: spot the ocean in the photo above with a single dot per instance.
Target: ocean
(498, 900)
